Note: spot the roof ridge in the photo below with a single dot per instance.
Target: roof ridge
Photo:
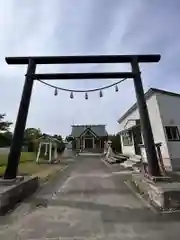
(147, 95)
(98, 129)
(84, 125)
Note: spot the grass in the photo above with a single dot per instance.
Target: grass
(25, 157)
(28, 165)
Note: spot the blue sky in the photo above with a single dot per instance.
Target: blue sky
(77, 27)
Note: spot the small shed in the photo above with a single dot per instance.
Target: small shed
(49, 143)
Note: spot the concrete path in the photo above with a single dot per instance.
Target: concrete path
(88, 201)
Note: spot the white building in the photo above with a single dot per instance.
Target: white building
(164, 113)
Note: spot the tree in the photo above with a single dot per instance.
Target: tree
(8, 135)
(58, 137)
(61, 145)
(69, 138)
(30, 135)
(4, 125)
(5, 139)
(5, 134)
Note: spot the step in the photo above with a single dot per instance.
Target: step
(121, 157)
(135, 158)
(128, 164)
(164, 195)
(111, 160)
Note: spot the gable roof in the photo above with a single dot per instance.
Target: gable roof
(147, 95)
(99, 130)
(90, 130)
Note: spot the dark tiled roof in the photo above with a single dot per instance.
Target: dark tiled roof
(147, 95)
(99, 130)
(48, 138)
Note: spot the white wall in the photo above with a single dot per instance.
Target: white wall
(124, 125)
(170, 114)
(4, 150)
(129, 150)
(157, 128)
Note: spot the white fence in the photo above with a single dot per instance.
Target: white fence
(4, 150)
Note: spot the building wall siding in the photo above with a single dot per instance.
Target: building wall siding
(124, 125)
(129, 150)
(156, 124)
(170, 115)
(158, 129)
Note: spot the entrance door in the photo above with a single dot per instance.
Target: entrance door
(137, 139)
(88, 142)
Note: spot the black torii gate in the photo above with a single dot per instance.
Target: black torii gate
(134, 60)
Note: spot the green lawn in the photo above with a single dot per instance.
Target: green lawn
(25, 156)
(27, 164)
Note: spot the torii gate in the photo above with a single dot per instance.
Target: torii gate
(134, 60)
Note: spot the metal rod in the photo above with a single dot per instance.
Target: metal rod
(15, 150)
(153, 166)
(104, 75)
(83, 59)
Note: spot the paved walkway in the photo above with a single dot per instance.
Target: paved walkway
(88, 201)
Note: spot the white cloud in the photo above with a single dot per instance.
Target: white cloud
(69, 27)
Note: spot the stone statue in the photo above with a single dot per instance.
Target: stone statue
(108, 152)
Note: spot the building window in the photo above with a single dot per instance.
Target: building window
(127, 138)
(172, 133)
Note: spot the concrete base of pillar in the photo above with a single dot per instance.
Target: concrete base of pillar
(11, 181)
(163, 195)
(12, 193)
